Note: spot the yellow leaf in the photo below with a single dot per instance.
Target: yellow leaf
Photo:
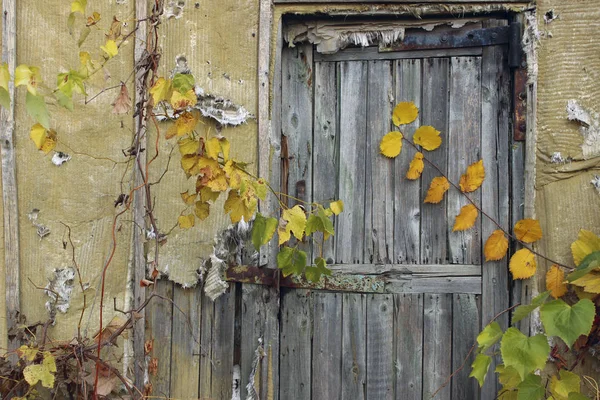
(182, 101)
(586, 244)
(495, 246)
(186, 221)
(161, 90)
(110, 48)
(41, 372)
(391, 144)
(439, 185)
(473, 178)
(45, 140)
(190, 164)
(188, 198)
(30, 76)
(522, 264)
(4, 76)
(295, 219)
(206, 194)
(416, 167)
(284, 234)
(85, 63)
(188, 145)
(78, 6)
(27, 353)
(237, 207)
(555, 282)
(202, 210)
(590, 282)
(428, 137)
(528, 230)
(336, 207)
(213, 148)
(405, 113)
(184, 125)
(217, 183)
(466, 218)
(234, 174)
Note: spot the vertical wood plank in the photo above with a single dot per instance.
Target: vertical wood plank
(325, 142)
(185, 368)
(259, 320)
(380, 378)
(464, 141)
(351, 229)
(464, 334)
(223, 345)
(295, 344)
(327, 346)
(495, 138)
(379, 197)
(407, 203)
(159, 314)
(408, 346)
(354, 341)
(437, 345)
(434, 112)
(206, 350)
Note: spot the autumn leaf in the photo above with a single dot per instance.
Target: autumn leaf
(466, 218)
(161, 90)
(36, 108)
(428, 137)
(238, 208)
(27, 353)
(416, 167)
(391, 144)
(188, 145)
(473, 178)
(495, 246)
(202, 210)
(188, 198)
(263, 230)
(522, 264)
(439, 185)
(182, 101)
(184, 125)
(586, 244)
(589, 282)
(234, 174)
(186, 221)
(44, 139)
(114, 32)
(29, 76)
(110, 48)
(190, 164)
(528, 230)
(404, 113)
(43, 372)
(4, 79)
(216, 145)
(86, 65)
(293, 220)
(78, 6)
(555, 282)
(122, 103)
(336, 207)
(207, 194)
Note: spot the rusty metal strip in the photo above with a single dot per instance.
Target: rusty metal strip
(520, 103)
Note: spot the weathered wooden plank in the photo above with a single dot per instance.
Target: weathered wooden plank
(353, 92)
(379, 195)
(407, 202)
(206, 350)
(495, 191)
(380, 364)
(185, 368)
(459, 284)
(354, 340)
(9, 176)
(465, 329)
(416, 270)
(223, 345)
(159, 314)
(325, 143)
(373, 53)
(408, 346)
(464, 143)
(393, 1)
(327, 346)
(434, 111)
(295, 344)
(259, 320)
(437, 345)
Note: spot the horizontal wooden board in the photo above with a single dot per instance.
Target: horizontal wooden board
(373, 53)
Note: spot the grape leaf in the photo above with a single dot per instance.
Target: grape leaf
(566, 322)
(528, 230)
(186, 221)
(473, 178)
(427, 137)
(45, 140)
(181, 101)
(319, 223)
(202, 210)
(438, 187)
(587, 265)
(404, 113)
(415, 169)
(480, 367)
(36, 108)
(590, 282)
(495, 246)
(466, 218)
(291, 261)
(29, 76)
(294, 221)
(508, 376)
(555, 282)
(391, 144)
(522, 264)
(78, 6)
(336, 207)
(263, 230)
(238, 208)
(110, 48)
(313, 273)
(489, 336)
(183, 82)
(568, 383)
(161, 90)
(524, 310)
(586, 244)
(531, 388)
(524, 354)
(43, 372)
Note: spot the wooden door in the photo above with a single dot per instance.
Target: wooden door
(409, 296)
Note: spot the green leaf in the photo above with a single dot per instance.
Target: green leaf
(577, 396)
(183, 82)
(36, 107)
(78, 6)
(489, 336)
(508, 376)
(291, 261)
(85, 32)
(263, 230)
(63, 100)
(71, 22)
(531, 388)
(524, 310)
(566, 322)
(589, 263)
(568, 383)
(314, 272)
(480, 367)
(4, 98)
(524, 354)
(319, 223)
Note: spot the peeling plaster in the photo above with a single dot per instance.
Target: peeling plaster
(589, 128)
(259, 353)
(59, 289)
(530, 42)
(596, 182)
(59, 158)
(174, 9)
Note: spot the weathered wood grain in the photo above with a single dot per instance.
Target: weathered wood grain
(379, 191)
(390, 1)
(206, 350)
(424, 270)
(159, 314)
(325, 143)
(351, 225)
(295, 356)
(327, 346)
(459, 284)
(373, 53)
(380, 364)
(464, 143)
(434, 111)
(354, 339)
(465, 328)
(408, 346)
(407, 201)
(185, 353)
(223, 345)
(437, 345)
